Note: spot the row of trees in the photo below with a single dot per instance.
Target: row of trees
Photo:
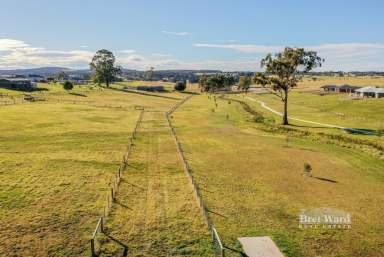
(216, 82)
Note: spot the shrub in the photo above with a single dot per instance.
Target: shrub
(307, 169)
(180, 86)
(67, 85)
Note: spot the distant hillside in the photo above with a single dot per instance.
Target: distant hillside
(170, 75)
(43, 71)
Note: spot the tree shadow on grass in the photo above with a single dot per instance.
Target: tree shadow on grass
(143, 93)
(78, 94)
(361, 131)
(325, 179)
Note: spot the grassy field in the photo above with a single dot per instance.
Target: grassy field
(315, 83)
(56, 163)
(58, 156)
(57, 159)
(264, 192)
(336, 109)
(156, 212)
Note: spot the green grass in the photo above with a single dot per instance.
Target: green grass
(56, 164)
(57, 158)
(336, 109)
(253, 183)
(156, 212)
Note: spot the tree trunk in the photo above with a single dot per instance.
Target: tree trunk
(285, 114)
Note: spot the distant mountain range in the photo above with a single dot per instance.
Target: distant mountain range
(45, 71)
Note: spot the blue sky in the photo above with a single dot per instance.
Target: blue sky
(170, 34)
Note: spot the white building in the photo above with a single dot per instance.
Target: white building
(376, 92)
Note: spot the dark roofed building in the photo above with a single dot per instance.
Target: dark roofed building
(17, 84)
(330, 88)
(347, 88)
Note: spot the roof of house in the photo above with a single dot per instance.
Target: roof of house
(329, 86)
(370, 90)
(346, 86)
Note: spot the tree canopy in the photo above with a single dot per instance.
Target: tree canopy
(216, 82)
(149, 74)
(244, 83)
(68, 85)
(180, 85)
(61, 75)
(103, 67)
(284, 70)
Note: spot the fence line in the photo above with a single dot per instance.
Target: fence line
(113, 190)
(6, 100)
(87, 103)
(215, 236)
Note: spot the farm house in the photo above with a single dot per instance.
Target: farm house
(370, 92)
(347, 88)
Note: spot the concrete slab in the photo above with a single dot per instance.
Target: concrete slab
(260, 247)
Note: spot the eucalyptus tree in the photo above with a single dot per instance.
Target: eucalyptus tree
(284, 70)
(103, 67)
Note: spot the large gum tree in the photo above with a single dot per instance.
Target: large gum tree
(284, 70)
(103, 67)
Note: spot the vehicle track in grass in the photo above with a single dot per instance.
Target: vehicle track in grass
(155, 213)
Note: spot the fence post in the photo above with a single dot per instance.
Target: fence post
(93, 247)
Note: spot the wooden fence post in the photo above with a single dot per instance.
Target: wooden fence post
(93, 247)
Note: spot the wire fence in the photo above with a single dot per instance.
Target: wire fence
(218, 245)
(6, 99)
(95, 242)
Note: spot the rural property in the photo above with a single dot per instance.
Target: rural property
(191, 129)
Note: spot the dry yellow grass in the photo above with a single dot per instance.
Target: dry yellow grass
(253, 183)
(57, 159)
(56, 163)
(156, 213)
(310, 84)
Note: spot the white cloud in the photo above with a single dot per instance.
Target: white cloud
(176, 33)
(346, 56)
(18, 54)
(343, 56)
(84, 46)
(127, 51)
(7, 44)
(242, 48)
(160, 55)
